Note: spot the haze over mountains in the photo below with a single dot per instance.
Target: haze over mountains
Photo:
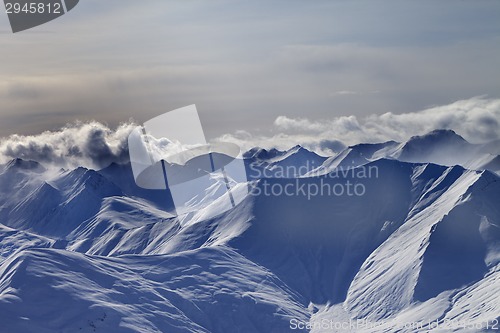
(88, 251)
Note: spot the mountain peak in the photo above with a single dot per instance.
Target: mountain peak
(444, 147)
(20, 164)
(297, 147)
(263, 154)
(435, 141)
(439, 135)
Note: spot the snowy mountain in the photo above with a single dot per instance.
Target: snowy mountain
(387, 244)
(356, 156)
(443, 147)
(292, 163)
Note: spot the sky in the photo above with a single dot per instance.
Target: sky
(248, 65)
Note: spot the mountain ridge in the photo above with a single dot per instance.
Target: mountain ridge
(93, 242)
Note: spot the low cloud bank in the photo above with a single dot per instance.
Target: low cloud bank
(476, 119)
(95, 145)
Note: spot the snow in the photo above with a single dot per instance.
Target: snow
(210, 290)
(89, 251)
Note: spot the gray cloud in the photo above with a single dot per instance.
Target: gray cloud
(89, 144)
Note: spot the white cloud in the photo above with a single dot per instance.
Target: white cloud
(476, 119)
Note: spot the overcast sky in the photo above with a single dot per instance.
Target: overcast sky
(246, 63)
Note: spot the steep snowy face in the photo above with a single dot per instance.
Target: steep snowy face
(444, 258)
(400, 259)
(55, 206)
(319, 245)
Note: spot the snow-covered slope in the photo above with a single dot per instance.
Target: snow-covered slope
(88, 251)
(355, 156)
(209, 290)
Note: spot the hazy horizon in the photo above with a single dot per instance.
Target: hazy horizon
(246, 64)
